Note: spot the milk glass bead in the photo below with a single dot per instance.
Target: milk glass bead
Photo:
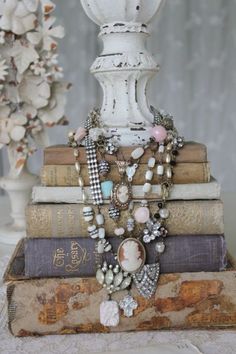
(161, 149)
(160, 170)
(100, 219)
(101, 232)
(137, 153)
(149, 175)
(151, 162)
(147, 187)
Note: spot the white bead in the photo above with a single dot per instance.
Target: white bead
(151, 162)
(147, 187)
(137, 153)
(149, 175)
(91, 229)
(87, 208)
(77, 166)
(100, 219)
(160, 247)
(89, 216)
(168, 158)
(101, 232)
(84, 197)
(100, 248)
(81, 181)
(168, 172)
(160, 170)
(164, 213)
(119, 231)
(161, 149)
(108, 248)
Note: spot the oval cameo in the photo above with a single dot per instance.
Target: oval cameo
(131, 255)
(122, 195)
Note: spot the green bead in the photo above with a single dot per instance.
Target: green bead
(106, 188)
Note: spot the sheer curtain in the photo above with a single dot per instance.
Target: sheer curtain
(195, 43)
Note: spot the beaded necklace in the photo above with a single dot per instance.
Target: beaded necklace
(141, 226)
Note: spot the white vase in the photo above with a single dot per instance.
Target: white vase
(19, 192)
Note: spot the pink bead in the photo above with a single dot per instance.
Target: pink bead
(80, 134)
(159, 133)
(142, 215)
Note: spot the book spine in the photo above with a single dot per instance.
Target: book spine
(73, 195)
(66, 220)
(200, 300)
(75, 256)
(66, 175)
(63, 155)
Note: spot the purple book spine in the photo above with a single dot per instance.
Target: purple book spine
(76, 256)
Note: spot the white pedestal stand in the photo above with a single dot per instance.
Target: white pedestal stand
(19, 192)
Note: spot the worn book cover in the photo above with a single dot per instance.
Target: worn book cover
(63, 155)
(199, 217)
(77, 257)
(71, 305)
(73, 195)
(66, 175)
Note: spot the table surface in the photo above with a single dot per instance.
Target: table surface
(208, 342)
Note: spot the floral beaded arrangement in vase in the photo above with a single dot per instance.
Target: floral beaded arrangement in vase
(131, 257)
(32, 95)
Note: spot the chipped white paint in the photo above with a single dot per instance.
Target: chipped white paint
(124, 67)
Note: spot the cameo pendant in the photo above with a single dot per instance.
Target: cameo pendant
(122, 195)
(131, 255)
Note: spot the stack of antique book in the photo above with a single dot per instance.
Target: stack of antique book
(52, 273)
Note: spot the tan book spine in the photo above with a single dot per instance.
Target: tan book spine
(71, 305)
(66, 175)
(186, 218)
(63, 155)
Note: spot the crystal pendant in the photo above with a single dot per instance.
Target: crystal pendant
(128, 305)
(146, 280)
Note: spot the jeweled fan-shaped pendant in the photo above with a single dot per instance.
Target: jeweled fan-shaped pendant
(146, 279)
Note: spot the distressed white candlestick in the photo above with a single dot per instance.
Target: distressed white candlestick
(124, 67)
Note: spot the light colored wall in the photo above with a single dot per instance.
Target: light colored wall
(195, 43)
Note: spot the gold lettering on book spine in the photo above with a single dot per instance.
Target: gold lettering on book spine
(79, 256)
(59, 258)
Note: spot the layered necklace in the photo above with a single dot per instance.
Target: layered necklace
(141, 230)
